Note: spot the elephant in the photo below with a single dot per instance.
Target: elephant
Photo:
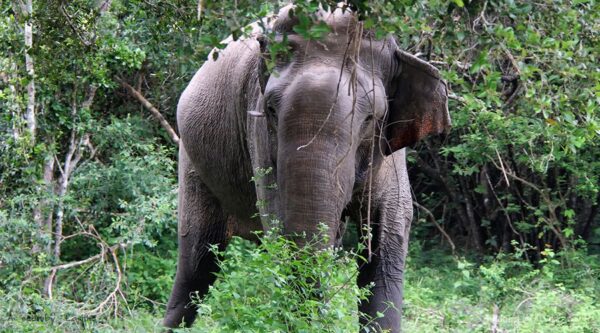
(330, 122)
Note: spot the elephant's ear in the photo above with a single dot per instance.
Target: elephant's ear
(419, 104)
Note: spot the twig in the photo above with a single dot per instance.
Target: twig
(457, 98)
(522, 302)
(510, 57)
(506, 215)
(481, 16)
(502, 167)
(337, 91)
(549, 203)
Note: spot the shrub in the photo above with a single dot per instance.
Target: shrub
(277, 286)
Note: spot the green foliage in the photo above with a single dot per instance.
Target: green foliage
(524, 100)
(16, 259)
(150, 276)
(279, 287)
(133, 191)
(446, 294)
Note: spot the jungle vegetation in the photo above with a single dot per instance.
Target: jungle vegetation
(506, 232)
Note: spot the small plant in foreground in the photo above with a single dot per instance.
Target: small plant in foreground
(278, 286)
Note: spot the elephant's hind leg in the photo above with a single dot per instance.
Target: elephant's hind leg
(202, 223)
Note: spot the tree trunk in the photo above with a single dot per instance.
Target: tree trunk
(30, 111)
(42, 213)
(72, 158)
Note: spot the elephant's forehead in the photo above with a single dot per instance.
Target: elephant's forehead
(341, 19)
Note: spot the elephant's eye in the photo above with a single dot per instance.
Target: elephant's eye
(271, 118)
(270, 102)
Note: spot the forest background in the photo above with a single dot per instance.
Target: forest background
(506, 232)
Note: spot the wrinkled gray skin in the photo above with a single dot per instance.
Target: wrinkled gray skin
(315, 125)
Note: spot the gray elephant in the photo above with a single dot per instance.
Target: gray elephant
(331, 125)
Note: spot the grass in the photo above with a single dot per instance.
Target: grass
(445, 293)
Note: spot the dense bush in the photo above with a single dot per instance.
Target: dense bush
(278, 287)
(521, 163)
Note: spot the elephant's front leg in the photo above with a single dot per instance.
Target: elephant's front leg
(389, 246)
(202, 223)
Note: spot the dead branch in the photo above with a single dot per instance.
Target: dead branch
(113, 298)
(116, 293)
(80, 262)
(502, 167)
(372, 148)
(437, 225)
(157, 115)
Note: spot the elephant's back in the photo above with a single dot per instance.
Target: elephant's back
(211, 117)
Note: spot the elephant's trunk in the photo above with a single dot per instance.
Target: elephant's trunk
(310, 193)
(315, 158)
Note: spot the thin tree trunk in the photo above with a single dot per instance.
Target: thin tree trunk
(72, 158)
(62, 190)
(30, 111)
(13, 106)
(42, 213)
(470, 214)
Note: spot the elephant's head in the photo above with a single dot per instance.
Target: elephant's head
(337, 106)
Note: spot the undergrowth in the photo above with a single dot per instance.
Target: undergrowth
(277, 287)
(445, 293)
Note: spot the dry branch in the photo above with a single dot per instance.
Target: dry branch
(437, 225)
(163, 122)
(88, 260)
